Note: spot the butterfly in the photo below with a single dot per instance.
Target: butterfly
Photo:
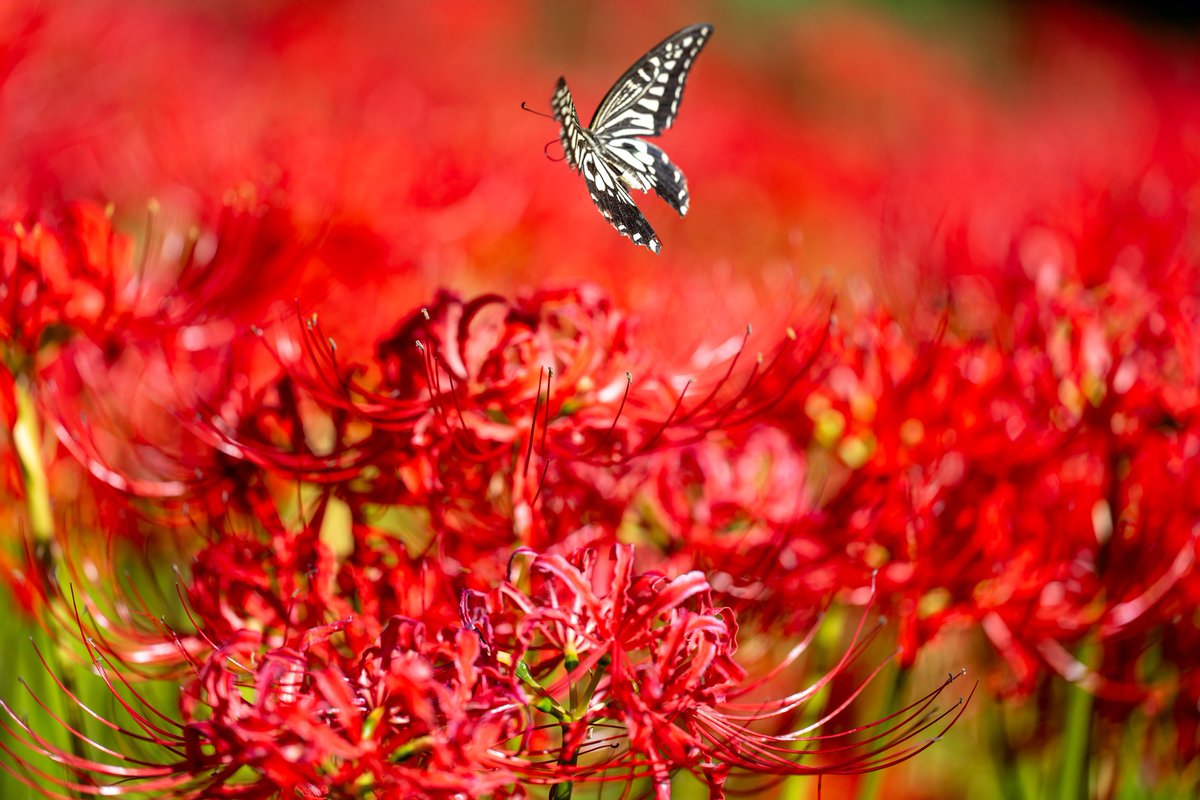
(608, 153)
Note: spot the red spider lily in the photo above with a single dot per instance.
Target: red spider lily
(1003, 482)
(989, 499)
(478, 411)
(407, 716)
(743, 509)
(561, 683)
(640, 680)
(87, 321)
(442, 449)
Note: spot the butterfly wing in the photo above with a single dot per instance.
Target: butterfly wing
(645, 166)
(603, 179)
(611, 197)
(645, 100)
(571, 133)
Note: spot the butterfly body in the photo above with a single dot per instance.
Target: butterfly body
(610, 153)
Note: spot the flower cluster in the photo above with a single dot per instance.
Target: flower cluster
(410, 575)
(506, 542)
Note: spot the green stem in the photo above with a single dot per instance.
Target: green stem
(562, 791)
(27, 439)
(1007, 767)
(407, 750)
(1077, 739)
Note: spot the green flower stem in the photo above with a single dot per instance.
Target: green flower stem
(1077, 741)
(562, 791)
(1007, 768)
(27, 440)
(580, 697)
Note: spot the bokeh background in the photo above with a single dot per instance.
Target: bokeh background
(911, 156)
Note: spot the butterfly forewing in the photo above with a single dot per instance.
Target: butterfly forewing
(643, 102)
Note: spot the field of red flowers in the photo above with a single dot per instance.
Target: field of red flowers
(347, 452)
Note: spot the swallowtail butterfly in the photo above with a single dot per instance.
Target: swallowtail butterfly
(608, 153)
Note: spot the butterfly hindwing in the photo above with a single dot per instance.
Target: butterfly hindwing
(610, 156)
(610, 196)
(647, 167)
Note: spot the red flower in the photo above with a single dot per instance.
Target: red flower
(641, 678)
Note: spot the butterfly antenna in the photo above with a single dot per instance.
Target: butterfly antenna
(525, 107)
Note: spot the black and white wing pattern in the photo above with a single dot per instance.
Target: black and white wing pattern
(610, 156)
(585, 156)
